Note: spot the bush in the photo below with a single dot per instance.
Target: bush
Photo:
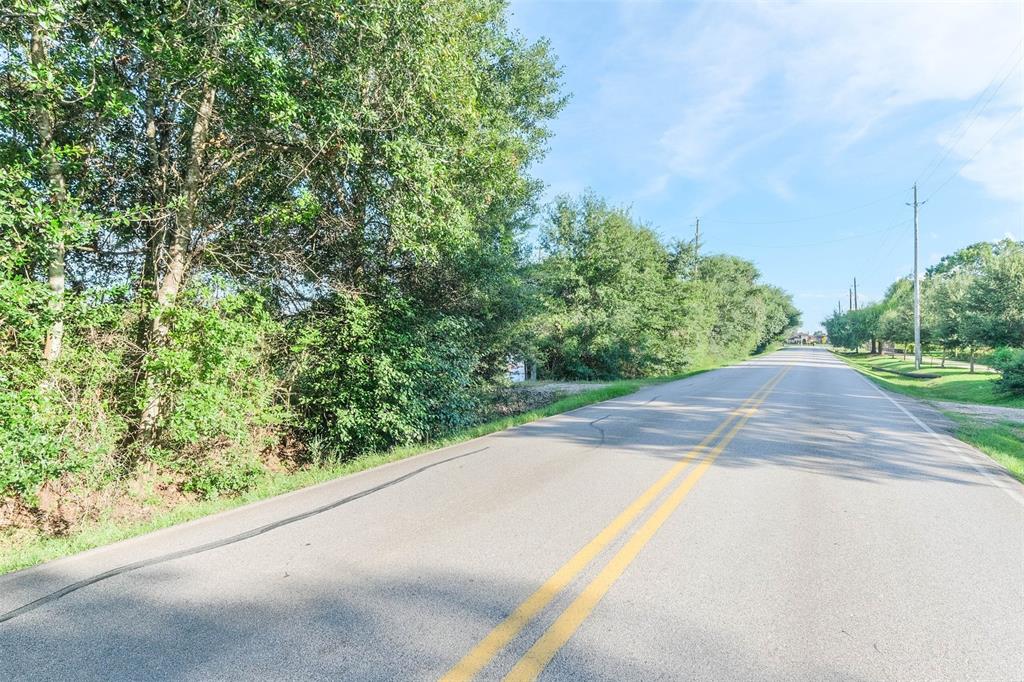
(1010, 363)
(370, 377)
(76, 415)
(216, 370)
(64, 417)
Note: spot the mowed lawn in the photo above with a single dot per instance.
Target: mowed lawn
(955, 384)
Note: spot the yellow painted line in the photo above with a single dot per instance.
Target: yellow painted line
(554, 638)
(503, 633)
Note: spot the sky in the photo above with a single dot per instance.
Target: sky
(794, 130)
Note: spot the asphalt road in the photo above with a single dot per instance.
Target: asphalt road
(782, 519)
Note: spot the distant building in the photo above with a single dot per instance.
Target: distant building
(800, 339)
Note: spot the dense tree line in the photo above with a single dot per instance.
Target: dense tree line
(971, 301)
(617, 301)
(229, 224)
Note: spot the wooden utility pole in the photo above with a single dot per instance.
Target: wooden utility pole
(917, 286)
(849, 306)
(856, 305)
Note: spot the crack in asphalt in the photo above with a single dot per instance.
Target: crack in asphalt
(594, 425)
(191, 551)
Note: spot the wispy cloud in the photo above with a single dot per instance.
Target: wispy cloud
(729, 78)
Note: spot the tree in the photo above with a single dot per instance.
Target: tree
(605, 281)
(946, 301)
(995, 298)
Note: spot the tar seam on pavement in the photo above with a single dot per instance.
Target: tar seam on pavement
(73, 587)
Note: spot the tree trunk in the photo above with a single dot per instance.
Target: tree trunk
(153, 227)
(972, 361)
(58, 193)
(178, 241)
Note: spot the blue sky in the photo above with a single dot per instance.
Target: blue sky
(795, 130)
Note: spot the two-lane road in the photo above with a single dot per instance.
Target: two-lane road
(780, 519)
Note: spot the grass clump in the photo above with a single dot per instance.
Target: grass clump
(1003, 441)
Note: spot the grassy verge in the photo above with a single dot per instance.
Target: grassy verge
(38, 549)
(955, 384)
(1002, 441)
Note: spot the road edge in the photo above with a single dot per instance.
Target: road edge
(897, 398)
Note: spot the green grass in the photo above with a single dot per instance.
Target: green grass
(45, 548)
(955, 384)
(1002, 441)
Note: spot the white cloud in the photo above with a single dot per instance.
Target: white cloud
(998, 143)
(730, 77)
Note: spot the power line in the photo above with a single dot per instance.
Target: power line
(961, 129)
(972, 156)
(817, 243)
(807, 218)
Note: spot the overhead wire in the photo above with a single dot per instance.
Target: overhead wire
(983, 99)
(974, 155)
(817, 243)
(830, 214)
(972, 114)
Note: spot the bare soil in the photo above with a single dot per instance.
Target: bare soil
(992, 413)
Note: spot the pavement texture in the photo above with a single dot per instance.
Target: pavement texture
(825, 531)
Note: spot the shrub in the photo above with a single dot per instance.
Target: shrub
(64, 417)
(76, 415)
(216, 370)
(1010, 363)
(370, 377)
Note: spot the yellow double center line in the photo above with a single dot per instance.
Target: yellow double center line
(534, 660)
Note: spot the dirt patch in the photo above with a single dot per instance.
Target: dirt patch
(71, 502)
(65, 504)
(991, 413)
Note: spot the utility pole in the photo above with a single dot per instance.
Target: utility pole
(840, 306)
(917, 287)
(850, 293)
(856, 306)
(696, 245)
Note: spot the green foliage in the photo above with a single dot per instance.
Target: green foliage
(370, 378)
(618, 303)
(211, 472)
(972, 300)
(65, 417)
(75, 415)
(995, 299)
(216, 370)
(1010, 363)
(259, 221)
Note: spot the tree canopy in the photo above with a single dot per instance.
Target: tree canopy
(971, 300)
(231, 226)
